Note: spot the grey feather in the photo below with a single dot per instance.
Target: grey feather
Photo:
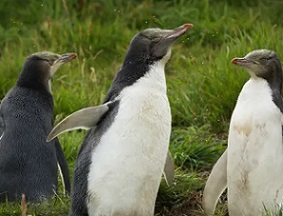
(82, 119)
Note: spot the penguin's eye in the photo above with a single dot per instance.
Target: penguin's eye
(46, 60)
(263, 60)
(50, 60)
(155, 40)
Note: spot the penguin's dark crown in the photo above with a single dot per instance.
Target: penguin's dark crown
(47, 56)
(153, 44)
(40, 67)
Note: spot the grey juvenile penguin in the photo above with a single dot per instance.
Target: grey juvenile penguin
(28, 164)
(122, 157)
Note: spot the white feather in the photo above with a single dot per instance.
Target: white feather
(1, 135)
(61, 175)
(127, 165)
(255, 152)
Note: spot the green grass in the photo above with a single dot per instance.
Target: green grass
(277, 212)
(202, 83)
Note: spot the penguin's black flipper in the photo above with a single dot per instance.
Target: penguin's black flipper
(2, 124)
(63, 167)
(82, 119)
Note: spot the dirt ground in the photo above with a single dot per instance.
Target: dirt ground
(192, 207)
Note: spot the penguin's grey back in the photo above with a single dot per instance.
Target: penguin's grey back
(28, 163)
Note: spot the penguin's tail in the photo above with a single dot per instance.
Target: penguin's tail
(63, 165)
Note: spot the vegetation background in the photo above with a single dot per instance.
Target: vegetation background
(202, 83)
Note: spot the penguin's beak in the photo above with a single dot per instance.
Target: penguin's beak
(62, 59)
(246, 63)
(168, 37)
(176, 33)
(240, 61)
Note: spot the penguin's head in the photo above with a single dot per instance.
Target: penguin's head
(40, 67)
(261, 63)
(154, 44)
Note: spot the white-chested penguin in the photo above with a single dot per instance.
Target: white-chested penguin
(253, 162)
(122, 158)
(28, 164)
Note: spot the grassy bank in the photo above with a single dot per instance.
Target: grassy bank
(202, 83)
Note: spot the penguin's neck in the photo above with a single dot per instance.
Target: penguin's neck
(135, 71)
(256, 89)
(33, 76)
(261, 89)
(155, 77)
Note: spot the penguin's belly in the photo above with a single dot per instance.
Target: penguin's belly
(127, 164)
(255, 159)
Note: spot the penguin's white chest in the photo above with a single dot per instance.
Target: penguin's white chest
(127, 165)
(255, 153)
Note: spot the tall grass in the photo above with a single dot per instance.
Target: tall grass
(202, 83)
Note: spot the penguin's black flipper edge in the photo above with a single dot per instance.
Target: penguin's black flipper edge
(2, 125)
(64, 170)
(215, 185)
(169, 169)
(82, 119)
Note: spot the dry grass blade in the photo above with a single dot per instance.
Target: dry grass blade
(24, 205)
